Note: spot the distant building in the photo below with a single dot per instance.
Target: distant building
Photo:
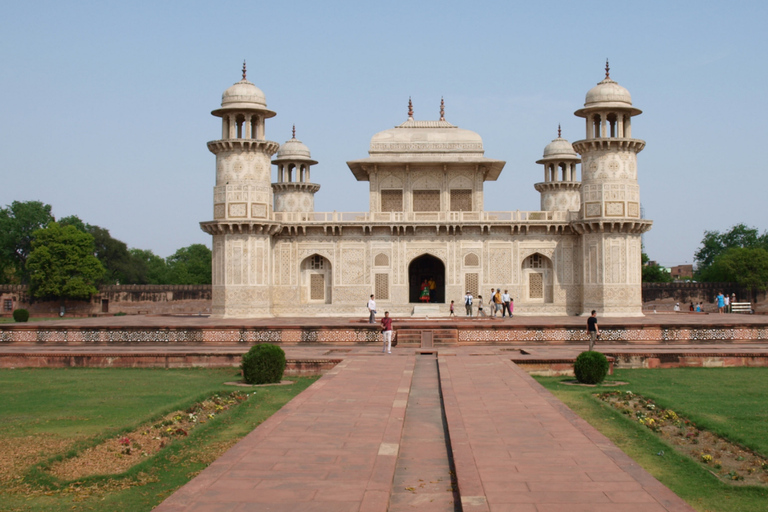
(681, 271)
(273, 255)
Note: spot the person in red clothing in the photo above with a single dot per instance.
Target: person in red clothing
(386, 329)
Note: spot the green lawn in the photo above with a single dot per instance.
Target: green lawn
(729, 401)
(51, 410)
(10, 320)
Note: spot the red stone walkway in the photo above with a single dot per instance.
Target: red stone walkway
(337, 446)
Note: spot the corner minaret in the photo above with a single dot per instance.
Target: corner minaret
(294, 192)
(242, 204)
(560, 188)
(609, 219)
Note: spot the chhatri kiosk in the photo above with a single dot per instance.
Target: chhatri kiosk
(273, 255)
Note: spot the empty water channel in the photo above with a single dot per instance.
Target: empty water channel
(424, 474)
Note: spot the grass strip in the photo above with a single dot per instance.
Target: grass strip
(718, 404)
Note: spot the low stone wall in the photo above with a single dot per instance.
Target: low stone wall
(663, 296)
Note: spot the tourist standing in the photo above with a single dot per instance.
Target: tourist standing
(505, 304)
(677, 306)
(511, 307)
(497, 301)
(592, 329)
(424, 292)
(451, 313)
(492, 302)
(468, 303)
(480, 311)
(371, 311)
(727, 301)
(386, 330)
(432, 287)
(720, 302)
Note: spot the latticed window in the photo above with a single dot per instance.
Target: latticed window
(317, 287)
(426, 200)
(381, 260)
(316, 262)
(382, 286)
(536, 285)
(471, 260)
(391, 200)
(461, 200)
(471, 283)
(535, 261)
(8, 304)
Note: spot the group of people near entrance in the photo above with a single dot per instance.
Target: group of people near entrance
(498, 303)
(427, 290)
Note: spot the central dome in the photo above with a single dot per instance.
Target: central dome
(426, 136)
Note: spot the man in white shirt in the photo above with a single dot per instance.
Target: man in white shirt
(468, 303)
(505, 298)
(372, 311)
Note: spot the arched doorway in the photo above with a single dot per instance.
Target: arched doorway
(316, 280)
(424, 267)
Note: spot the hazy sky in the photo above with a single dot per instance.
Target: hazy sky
(105, 106)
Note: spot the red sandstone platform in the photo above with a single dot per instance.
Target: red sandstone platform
(336, 447)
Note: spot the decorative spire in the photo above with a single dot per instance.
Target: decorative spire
(243, 69)
(607, 69)
(442, 109)
(294, 132)
(558, 132)
(410, 109)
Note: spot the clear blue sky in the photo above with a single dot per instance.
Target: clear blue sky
(105, 106)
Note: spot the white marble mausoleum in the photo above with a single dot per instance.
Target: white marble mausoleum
(274, 255)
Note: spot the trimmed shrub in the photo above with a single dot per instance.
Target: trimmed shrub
(590, 367)
(263, 364)
(20, 315)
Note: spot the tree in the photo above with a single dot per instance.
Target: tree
(149, 267)
(715, 244)
(747, 267)
(653, 273)
(190, 265)
(111, 252)
(18, 223)
(61, 264)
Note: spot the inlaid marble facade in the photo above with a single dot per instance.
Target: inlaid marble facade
(273, 255)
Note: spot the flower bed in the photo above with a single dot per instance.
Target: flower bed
(118, 454)
(721, 457)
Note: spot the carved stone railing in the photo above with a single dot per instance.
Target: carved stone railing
(397, 217)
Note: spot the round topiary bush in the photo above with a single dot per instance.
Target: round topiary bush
(590, 367)
(20, 315)
(263, 364)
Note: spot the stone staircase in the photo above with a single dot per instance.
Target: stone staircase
(440, 337)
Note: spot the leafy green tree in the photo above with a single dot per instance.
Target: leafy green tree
(111, 252)
(190, 265)
(18, 223)
(61, 264)
(747, 267)
(715, 244)
(149, 267)
(653, 273)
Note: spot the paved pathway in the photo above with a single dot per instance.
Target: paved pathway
(338, 447)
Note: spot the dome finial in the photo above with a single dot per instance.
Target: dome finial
(558, 131)
(442, 109)
(410, 109)
(607, 69)
(243, 69)
(294, 132)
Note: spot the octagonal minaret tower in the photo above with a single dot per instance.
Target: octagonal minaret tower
(242, 204)
(294, 192)
(560, 188)
(609, 219)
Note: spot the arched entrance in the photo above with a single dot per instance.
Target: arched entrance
(424, 267)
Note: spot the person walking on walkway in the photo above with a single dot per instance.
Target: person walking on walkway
(592, 329)
(497, 302)
(480, 311)
(511, 307)
(386, 331)
(371, 311)
(720, 302)
(452, 313)
(505, 304)
(468, 304)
